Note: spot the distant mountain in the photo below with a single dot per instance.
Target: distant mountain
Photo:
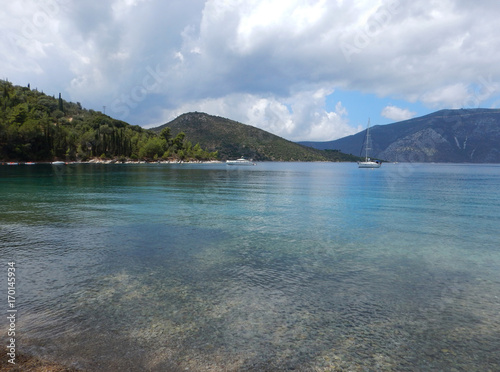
(458, 136)
(232, 140)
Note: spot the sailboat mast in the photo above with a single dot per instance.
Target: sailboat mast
(367, 147)
(368, 163)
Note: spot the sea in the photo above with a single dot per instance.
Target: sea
(272, 267)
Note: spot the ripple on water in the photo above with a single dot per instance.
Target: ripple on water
(255, 272)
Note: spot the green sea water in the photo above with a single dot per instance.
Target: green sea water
(276, 267)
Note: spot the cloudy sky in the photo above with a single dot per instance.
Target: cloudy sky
(301, 69)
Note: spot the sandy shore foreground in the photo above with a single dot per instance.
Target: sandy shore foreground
(25, 363)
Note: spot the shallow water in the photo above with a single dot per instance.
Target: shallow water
(281, 266)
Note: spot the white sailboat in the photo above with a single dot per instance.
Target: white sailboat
(368, 163)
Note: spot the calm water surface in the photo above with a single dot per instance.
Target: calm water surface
(281, 266)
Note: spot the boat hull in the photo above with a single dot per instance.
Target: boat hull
(369, 164)
(240, 161)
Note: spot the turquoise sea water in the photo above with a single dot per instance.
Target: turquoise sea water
(281, 266)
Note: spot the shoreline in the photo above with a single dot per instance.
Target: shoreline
(100, 161)
(112, 161)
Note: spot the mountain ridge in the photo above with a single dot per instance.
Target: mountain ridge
(449, 135)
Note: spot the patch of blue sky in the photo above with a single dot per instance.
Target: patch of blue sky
(363, 106)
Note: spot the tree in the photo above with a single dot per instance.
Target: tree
(19, 114)
(60, 103)
(152, 148)
(178, 141)
(165, 133)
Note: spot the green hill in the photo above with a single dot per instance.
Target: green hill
(38, 127)
(233, 139)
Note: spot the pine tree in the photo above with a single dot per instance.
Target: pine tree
(60, 106)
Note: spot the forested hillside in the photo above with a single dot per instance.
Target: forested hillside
(38, 127)
(233, 139)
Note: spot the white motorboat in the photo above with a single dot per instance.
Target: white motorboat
(240, 161)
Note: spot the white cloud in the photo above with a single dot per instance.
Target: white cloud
(276, 55)
(453, 96)
(396, 113)
(270, 47)
(301, 116)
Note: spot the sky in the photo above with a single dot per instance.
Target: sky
(302, 69)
